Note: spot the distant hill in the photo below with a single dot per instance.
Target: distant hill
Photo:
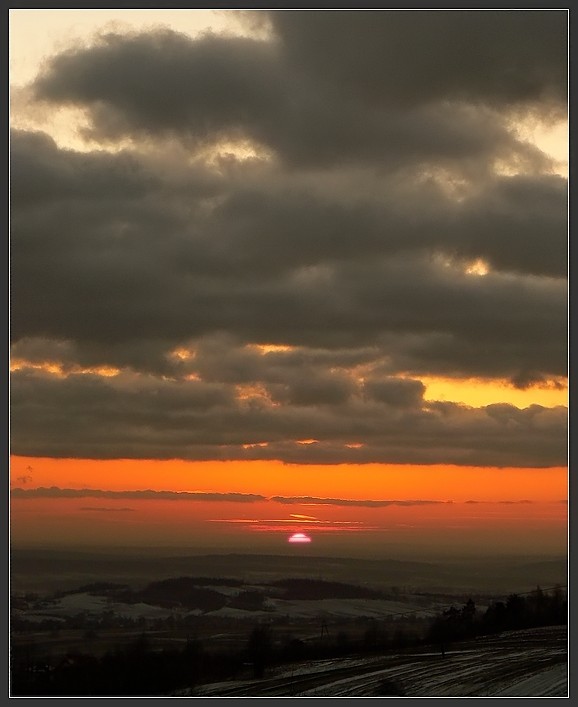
(44, 570)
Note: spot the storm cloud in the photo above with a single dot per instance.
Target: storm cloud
(110, 417)
(271, 240)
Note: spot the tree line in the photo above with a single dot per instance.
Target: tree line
(518, 611)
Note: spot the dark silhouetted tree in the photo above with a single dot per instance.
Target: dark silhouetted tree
(259, 648)
(516, 611)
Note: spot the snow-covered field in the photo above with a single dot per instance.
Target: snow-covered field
(332, 608)
(82, 602)
(73, 604)
(530, 663)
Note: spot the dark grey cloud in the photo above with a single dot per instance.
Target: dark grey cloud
(489, 56)
(396, 392)
(276, 93)
(42, 175)
(155, 267)
(387, 160)
(56, 492)
(165, 82)
(508, 223)
(145, 417)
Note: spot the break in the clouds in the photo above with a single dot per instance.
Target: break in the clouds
(265, 241)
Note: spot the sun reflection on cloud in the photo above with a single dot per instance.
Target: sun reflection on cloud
(453, 184)
(309, 519)
(287, 525)
(271, 348)
(182, 354)
(251, 392)
(219, 153)
(58, 369)
(478, 267)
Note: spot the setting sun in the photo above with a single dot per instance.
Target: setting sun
(299, 538)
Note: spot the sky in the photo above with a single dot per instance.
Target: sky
(279, 272)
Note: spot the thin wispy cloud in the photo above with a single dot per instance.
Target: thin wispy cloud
(148, 494)
(271, 522)
(233, 497)
(325, 528)
(522, 501)
(102, 509)
(289, 525)
(315, 501)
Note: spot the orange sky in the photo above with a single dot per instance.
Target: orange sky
(367, 481)
(446, 528)
(516, 509)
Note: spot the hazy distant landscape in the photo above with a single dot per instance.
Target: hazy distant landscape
(336, 622)
(45, 570)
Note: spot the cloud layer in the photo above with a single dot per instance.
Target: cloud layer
(56, 492)
(271, 240)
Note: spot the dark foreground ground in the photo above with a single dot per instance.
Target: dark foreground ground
(528, 663)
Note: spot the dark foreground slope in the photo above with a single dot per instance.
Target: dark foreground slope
(529, 663)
